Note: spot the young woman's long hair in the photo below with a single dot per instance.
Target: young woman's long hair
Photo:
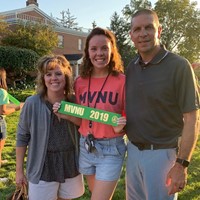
(50, 62)
(3, 83)
(115, 64)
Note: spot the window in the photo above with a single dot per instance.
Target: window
(60, 41)
(79, 44)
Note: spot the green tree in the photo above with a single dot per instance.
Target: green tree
(134, 6)
(18, 62)
(120, 26)
(38, 37)
(180, 20)
(3, 28)
(94, 24)
(121, 30)
(68, 20)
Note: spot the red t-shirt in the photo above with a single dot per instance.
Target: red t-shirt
(112, 99)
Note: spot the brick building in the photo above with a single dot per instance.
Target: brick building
(71, 42)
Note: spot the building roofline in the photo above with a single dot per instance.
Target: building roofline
(57, 26)
(61, 29)
(29, 8)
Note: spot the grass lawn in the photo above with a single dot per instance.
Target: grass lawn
(191, 192)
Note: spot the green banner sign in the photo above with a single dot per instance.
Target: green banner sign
(13, 100)
(85, 112)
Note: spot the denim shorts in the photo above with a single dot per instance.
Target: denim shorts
(106, 161)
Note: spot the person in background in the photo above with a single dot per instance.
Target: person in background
(101, 85)
(162, 105)
(51, 169)
(4, 110)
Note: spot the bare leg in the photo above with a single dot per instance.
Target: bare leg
(90, 181)
(2, 143)
(103, 190)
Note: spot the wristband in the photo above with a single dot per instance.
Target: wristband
(183, 162)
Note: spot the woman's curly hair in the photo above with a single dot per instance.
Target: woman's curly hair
(50, 62)
(115, 65)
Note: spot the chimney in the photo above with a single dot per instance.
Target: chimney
(29, 2)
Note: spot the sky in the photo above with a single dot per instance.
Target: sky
(85, 11)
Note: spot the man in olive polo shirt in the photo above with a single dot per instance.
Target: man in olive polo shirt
(161, 107)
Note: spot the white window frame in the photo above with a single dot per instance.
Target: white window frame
(60, 41)
(80, 44)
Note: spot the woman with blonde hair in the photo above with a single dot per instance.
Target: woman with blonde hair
(51, 169)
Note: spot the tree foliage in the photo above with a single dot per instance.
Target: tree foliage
(134, 6)
(3, 27)
(38, 37)
(94, 24)
(120, 26)
(180, 21)
(68, 20)
(181, 27)
(17, 59)
(121, 30)
(17, 62)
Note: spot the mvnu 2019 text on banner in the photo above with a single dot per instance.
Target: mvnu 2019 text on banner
(85, 112)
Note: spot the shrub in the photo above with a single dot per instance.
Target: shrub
(17, 59)
(20, 94)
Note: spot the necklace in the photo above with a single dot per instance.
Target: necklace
(89, 83)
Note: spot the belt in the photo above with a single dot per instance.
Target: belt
(144, 146)
(108, 141)
(98, 139)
